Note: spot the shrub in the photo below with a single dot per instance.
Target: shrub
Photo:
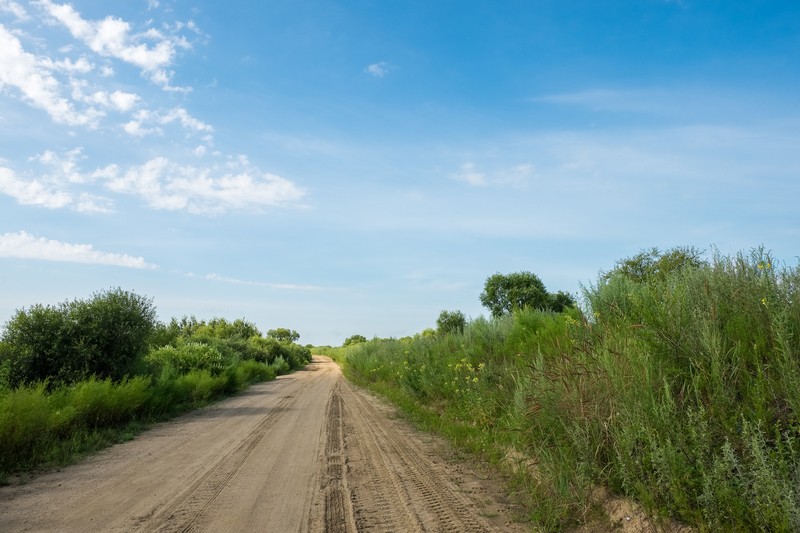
(103, 336)
(171, 361)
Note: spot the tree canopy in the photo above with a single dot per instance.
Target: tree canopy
(283, 335)
(503, 293)
(451, 322)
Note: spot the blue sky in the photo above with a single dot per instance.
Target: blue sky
(343, 167)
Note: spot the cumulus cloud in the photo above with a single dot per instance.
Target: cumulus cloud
(34, 80)
(146, 122)
(32, 192)
(182, 116)
(167, 185)
(379, 69)
(23, 245)
(151, 51)
(117, 100)
(54, 188)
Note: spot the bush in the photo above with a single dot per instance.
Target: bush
(170, 361)
(104, 336)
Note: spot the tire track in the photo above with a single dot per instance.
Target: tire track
(183, 511)
(419, 496)
(338, 512)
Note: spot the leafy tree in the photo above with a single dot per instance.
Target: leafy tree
(504, 293)
(561, 301)
(283, 335)
(451, 322)
(653, 264)
(104, 336)
(354, 339)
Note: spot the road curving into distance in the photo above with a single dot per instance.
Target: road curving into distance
(308, 452)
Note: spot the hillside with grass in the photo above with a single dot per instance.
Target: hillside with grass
(675, 382)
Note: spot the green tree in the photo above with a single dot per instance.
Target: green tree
(561, 301)
(104, 336)
(504, 293)
(283, 335)
(451, 322)
(354, 339)
(654, 264)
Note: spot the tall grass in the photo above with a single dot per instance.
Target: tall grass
(680, 391)
(40, 427)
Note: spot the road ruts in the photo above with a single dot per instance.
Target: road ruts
(308, 452)
(389, 482)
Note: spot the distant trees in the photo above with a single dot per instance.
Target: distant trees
(451, 322)
(283, 335)
(652, 264)
(354, 339)
(503, 293)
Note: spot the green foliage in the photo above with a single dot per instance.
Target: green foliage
(451, 322)
(503, 294)
(283, 335)
(354, 339)
(654, 264)
(169, 362)
(104, 336)
(681, 390)
(64, 385)
(561, 301)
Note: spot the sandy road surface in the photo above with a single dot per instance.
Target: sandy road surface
(305, 453)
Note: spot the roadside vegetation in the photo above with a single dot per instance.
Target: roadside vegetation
(83, 374)
(674, 382)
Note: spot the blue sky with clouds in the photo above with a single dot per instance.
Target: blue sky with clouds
(343, 167)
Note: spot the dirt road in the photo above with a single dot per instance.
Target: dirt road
(307, 452)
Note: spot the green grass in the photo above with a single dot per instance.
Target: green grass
(681, 391)
(40, 428)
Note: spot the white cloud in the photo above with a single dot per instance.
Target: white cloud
(32, 192)
(81, 66)
(147, 122)
(163, 184)
(186, 120)
(117, 100)
(199, 151)
(15, 9)
(150, 51)
(65, 167)
(31, 77)
(379, 69)
(90, 203)
(171, 186)
(23, 245)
